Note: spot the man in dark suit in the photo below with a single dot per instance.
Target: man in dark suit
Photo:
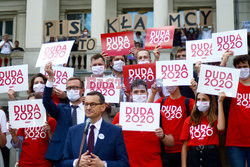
(104, 145)
(66, 115)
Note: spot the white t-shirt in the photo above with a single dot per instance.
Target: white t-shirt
(206, 34)
(3, 121)
(6, 48)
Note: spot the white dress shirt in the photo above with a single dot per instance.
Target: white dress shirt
(96, 134)
(80, 112)
(96, 130)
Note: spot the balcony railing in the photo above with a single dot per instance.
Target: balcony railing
(78, 60)
(15, 58)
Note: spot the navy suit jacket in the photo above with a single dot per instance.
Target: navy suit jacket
(62, 114)
(110, 149)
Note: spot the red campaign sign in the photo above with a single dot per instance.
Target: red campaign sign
(140, 71)
(162, 36)
(115, 44)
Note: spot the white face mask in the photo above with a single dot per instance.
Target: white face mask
(85, 33)
(244, 73)
(165, 92)
(143, 62)
(38, 88)
(118, 65)
(171, 89)
(73, 95)
(140, 98)
(203, 106)
(97, 70)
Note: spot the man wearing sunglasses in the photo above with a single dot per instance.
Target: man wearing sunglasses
(66, 115)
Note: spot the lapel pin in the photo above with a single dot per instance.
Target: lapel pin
(101, 136)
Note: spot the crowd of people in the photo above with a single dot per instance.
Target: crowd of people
(85, 130)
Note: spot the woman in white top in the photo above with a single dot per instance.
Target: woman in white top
(3, 132)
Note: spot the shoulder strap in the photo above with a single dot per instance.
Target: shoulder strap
(187, 105)
(162, 102)
(163, 153)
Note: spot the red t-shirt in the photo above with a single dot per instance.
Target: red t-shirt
(143, 147)
(35, 145)
(176, 113)
(239, 118)
(202, 134)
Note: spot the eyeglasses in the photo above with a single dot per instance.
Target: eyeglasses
(92, 105)
(73, 88)
(181, 55)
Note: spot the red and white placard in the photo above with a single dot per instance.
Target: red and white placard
(162, 36)
(235, 41)
(56, 52)
(119, 43)
(215, 79)
(26, 113)
(61, 76)
(14, 77)
(174, 73)
(145, 72)
(139, 116)
(201, 50)
(109, 87)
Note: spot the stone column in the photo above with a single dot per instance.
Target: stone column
(225, 15)
(98, 19)
(161, 12)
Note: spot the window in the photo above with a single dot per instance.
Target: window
(85, 19)
(150, 14)
(6, 26)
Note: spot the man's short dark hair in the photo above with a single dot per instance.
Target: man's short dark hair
(241, 59)
(97, 56)
(144, 51)
(137, 83)
(101, 97)
(77, 78)
(181, 49)
(138, 33)
(17, 41)
(125, 57)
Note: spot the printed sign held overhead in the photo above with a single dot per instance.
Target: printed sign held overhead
(109, 87)
(145, 72)
(201, 50)
(139, 116)
(61, 76)
(215, 79)
(162, 36)
(114, 44)
(174, 73)
(56, 52)
(230, 40)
